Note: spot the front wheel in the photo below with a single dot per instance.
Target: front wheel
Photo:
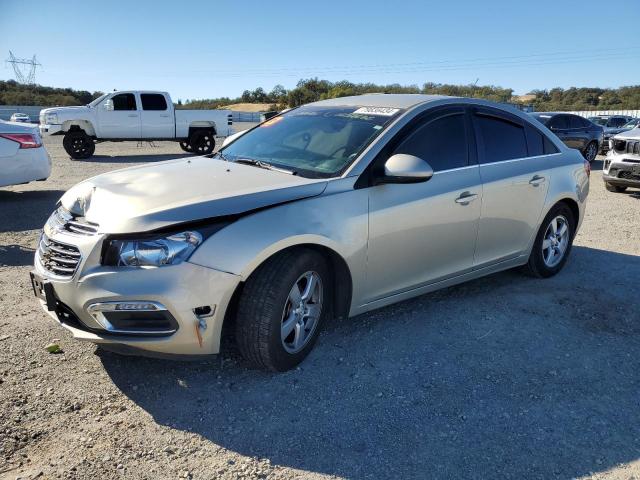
(614, 188)
(553, 242)
(281, 309)
(202, 142)
(78, 145)
(590, 152)
(186, 147)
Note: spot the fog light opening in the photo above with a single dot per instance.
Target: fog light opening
(204, 311)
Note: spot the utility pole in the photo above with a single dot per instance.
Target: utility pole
(28, 75)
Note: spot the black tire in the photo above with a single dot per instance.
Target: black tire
(202, 142)
(536, 265)
(614, 188)
(186, 147)
(591, 151)
(264, 304)
(78, 145)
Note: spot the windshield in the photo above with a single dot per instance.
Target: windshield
(313, 141)
(599, 121)
(98, 100)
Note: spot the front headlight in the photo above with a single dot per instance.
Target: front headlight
(152, 252)
(51, 118)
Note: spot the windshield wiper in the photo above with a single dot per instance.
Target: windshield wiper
(261, 164)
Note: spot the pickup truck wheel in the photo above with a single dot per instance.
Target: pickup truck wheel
(281, 309)
(186, 147)
(202, 142)
(78, 145)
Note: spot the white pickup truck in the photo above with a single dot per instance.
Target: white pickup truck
(134, 115)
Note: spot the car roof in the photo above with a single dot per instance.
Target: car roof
(391, 100)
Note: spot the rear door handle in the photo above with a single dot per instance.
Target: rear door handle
(537, 180)
(466, 198)
(133, 114)
(165, 116)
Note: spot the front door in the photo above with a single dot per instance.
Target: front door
(424, 232)
(121, 122)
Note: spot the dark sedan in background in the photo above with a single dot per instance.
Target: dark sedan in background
(574, 131)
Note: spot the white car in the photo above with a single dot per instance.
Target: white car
(23, 159)
(134, 115)
(20, 117)
(621, 168)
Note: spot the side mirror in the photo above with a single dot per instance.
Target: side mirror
(402, 168)
(108, 105)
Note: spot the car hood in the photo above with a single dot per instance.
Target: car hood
(150, 197)
(63, 110)
(633, 134)
(612, 130)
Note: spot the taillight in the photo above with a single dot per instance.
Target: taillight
(26, 140)
(587, 168)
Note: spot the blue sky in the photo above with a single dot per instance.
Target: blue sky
(204, 49)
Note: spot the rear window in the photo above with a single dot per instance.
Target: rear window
(153, 101)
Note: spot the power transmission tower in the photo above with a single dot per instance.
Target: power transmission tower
(18, 64)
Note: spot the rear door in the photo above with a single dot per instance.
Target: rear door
(515, 181)
(424, 232)
(123, 121)
(156, 116)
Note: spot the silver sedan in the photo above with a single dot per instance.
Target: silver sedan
(331, 209)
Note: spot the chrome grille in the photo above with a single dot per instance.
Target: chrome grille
(58, 258)
(633, 146)
(62, 220)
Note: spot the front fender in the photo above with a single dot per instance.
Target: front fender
(85, 125)
(337, 220)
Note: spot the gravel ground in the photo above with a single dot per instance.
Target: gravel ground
(502, 377)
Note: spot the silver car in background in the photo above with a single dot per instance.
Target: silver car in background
(328, 210)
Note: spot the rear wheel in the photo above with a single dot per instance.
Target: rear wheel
(591, 151)
(202, 142)
(614, 188)
(553, 242)
(78, 145)
(186, 147)
(281, 309)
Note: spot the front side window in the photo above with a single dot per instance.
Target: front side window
(124, 101)
(153, 101)
(313, 141)
(617, 122)
(441, 142)
(500, 139)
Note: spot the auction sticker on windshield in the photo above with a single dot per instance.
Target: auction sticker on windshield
(383, 111)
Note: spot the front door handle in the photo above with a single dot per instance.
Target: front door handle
(466, 198)
(164, 116)
(133, 114)
(537, 180)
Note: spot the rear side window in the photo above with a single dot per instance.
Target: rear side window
(538, 143)
(153, 101)
(500, 139)
(575, 122)
(124, 101)
(559, 122)
(442, 142)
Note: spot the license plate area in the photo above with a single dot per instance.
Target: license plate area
(43, 290)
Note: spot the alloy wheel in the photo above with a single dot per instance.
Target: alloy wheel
(301, 312)
(555, 241)
(591, 152)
